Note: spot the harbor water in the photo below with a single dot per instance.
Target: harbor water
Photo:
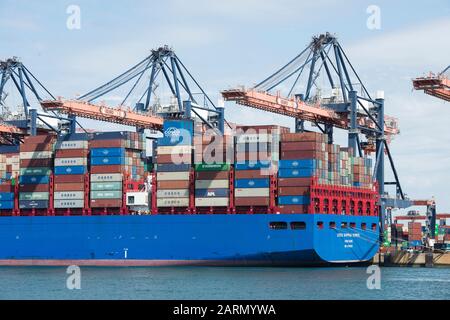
(396, 283)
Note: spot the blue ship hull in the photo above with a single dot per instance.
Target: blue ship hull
(217, 239)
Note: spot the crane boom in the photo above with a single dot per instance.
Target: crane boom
(434, 85)
(104, 113)
(301, 110)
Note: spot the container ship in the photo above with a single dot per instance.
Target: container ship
(199, 190)
(270, 197)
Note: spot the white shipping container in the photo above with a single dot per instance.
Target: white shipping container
(174, 150)
(208, 184)
(3, 166)
(106, 177)
(251, 192)
(12, 160)
(249, 138)
(212, 202)
(172, 202)
(172, 176)
(69, 195)
(72, 145)
(15, 167)
(172, 193)
(36, 155)
(70, 161)
(62, 204)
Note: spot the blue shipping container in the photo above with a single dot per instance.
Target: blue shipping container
(98, 161)
(211, 193)
(301, 163)
(293, 200)
(29, 204)
(34, 179)
(70, 170)
(295, 173)
(107, 152)
(252, 165)
(6, 196)
(170, 167)
(125, 135)
(252, 183)
(177, 132)
(6, 205)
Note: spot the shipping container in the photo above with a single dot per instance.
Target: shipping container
(212, 167)
(172, 193)
(106, 203)
(70, 161)
(291, 209)
(170, 167)
(213, 175)
(251, 201)
(212, 193)
(69, 195)
(106, 186)
(212, 202)
(33, 196)
(252, 183)
(69, 187)
(77, 170)
(71, 153)
(73, 178)
(35, 171)
(105, 177)
(171, 176)
(180, 184)
(172, 202)
(44, 187)
(36, 155)
(293, 200)
(67, 145)
(252, 165)
(295, 173)
(6, 196)
(168, 150)
(106, 194)
(30, 204)
(251, 192)
(64, 204)
(34, 179)
(209, 184)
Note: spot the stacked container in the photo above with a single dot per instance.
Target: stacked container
(6, 195)
(113, 156)
(36, 165)
(257, 156)
(71, 160)
(303, 156)
(415, 234)
(174, 163)
(213, 157)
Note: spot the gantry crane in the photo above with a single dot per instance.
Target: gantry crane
(435, 85)
(349, 106)
(144, 114)
(15, 124)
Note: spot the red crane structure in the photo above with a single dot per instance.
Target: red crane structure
(435, 85)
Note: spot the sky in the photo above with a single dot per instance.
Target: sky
(229, 43)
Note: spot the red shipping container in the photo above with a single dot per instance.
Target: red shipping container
(36, 163)
(69, 178)
(294, 182)
(251, 201)
(43, 187)
(169, 158)
(293, 191)
(305, 154)
(176, 184)
(113, 143)
(297, 146)
(9, 168)
(6, 188)
(31, 147)
(106, 203)
(304, 136)
(250, 174)
(69, 186)
(72, 153)
(108, 169)
(212, 175)
(45, 138)
(293, 209)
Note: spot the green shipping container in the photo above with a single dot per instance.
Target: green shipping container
(106, 194)
(33, 196)
(38, 171)
(212, 167)
(106, 186)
